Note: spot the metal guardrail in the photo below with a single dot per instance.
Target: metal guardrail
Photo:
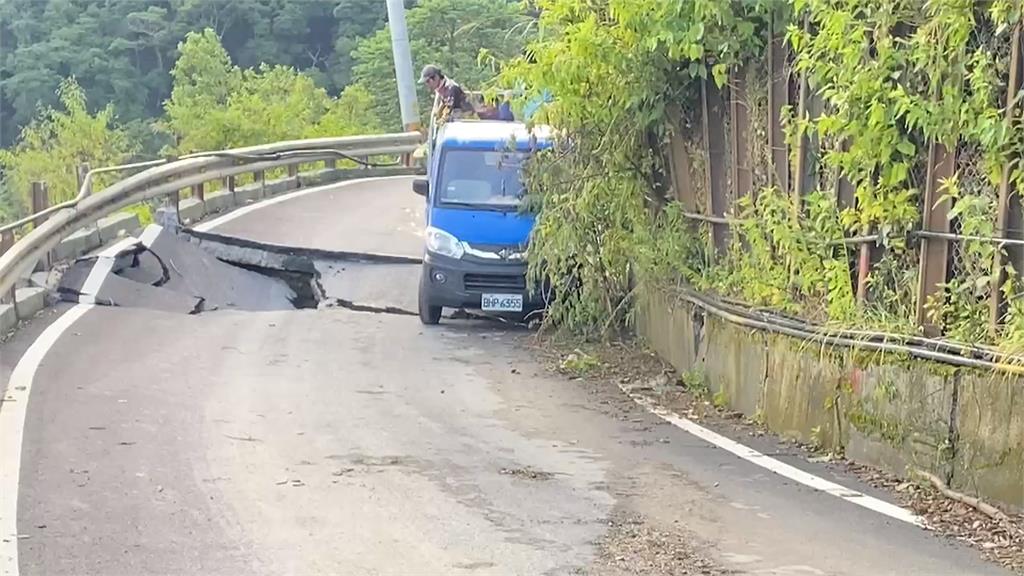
(166, 177)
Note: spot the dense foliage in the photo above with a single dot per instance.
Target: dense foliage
(120, 51)
(891, 75)
(216, 105)
(54, 143)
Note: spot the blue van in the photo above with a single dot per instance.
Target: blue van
(477, 231)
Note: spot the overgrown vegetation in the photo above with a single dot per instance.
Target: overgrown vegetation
(615, 67)
(53, 145)
(121, 51)
(890, 78)
(216, 105)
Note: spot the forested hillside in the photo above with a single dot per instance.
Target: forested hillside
(82, 80)
(121, 51)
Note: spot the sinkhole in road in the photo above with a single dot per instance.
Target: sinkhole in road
(177, 272)
(193, 273)
(305, 286)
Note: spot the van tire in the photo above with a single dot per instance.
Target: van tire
(429, 315)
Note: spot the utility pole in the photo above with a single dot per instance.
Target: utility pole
(403, 65)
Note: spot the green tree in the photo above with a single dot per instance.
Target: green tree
(221, 16)
(47, 41)
(55, 142)
(451, 33)
(121, 51)
(357, 19)
(216, 105)
(204, 80)
(285, 101)
(350, 114)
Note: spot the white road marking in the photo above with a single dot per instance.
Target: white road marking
(150, 234)
(103, 266)
(781, 468)
(15, 403)
(120, 246)
(221, 220)
(97, 276)
(12, 426)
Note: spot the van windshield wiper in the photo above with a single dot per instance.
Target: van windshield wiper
(479, 206)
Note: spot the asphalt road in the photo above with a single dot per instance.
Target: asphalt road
(385, 217)
(332, 441)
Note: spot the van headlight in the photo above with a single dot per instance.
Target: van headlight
(444, 244)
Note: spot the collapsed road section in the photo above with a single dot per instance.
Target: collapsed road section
(163, 270)
(192, 272)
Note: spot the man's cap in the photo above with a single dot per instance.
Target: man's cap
(429, 71)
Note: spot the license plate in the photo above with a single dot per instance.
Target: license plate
(501, 302)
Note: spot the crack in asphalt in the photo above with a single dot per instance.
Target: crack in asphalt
(373, 309)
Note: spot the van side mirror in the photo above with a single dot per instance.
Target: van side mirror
(421, 186)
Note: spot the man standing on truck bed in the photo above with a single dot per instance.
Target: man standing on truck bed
(453, 101)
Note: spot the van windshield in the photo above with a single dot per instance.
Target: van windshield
(482, 179)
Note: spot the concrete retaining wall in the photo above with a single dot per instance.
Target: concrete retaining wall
(895, 413)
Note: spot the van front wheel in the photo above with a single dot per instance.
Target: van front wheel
(429, 315)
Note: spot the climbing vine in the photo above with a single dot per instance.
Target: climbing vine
(891, 78)
(896, 76)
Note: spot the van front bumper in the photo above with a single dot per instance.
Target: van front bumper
(461, 284)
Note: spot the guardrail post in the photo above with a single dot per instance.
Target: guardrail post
(293, 172)
(175, 199)
(934, 252)
(1010, 215)
(6, 241)
(261, 177)
(199, 192)
(40, 199)
(229, 184)
(40, 202)
(331, 164)
(82, 173)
